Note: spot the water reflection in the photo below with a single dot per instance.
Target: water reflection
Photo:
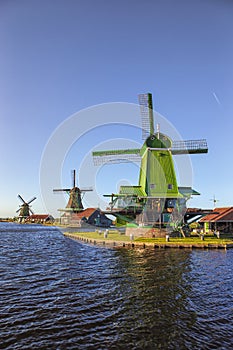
(156, 292)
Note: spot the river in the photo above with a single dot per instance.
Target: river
(56, 293)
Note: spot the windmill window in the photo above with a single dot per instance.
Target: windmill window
(169, 186)
(152, 186)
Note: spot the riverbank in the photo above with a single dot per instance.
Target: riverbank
(117, 240)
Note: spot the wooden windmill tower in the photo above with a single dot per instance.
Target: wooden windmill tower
(74, 204)
(25, 209)
(156, 200)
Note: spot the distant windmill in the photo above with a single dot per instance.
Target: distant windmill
(214, 200)
(157, 193)
(25, 209)
(75, 200)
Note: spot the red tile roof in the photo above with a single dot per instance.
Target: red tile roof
(224, 214)
(39, 216)
(85, 213)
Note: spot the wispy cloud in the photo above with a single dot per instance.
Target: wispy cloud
(216, 98)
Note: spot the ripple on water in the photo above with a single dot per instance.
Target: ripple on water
(56, 293)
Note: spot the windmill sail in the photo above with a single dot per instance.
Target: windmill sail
(146, 111)
(189, 146)
(31, 200)
(73, 177)
(116, 156)
(61, 190)
(21, 198)
(133, 155)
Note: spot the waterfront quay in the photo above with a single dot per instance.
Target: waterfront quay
(118, 240)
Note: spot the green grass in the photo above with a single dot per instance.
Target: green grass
(114, 235)
(186, 240)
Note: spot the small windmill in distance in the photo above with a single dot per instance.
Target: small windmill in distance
(75, 200)
(25, 209)
(214, 200)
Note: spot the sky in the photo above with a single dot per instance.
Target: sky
(63, 63)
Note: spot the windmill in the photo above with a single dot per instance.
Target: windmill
(214, 200)
(156, 200)
(75, 199)
(25, 209)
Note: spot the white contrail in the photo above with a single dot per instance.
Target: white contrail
(216, 98)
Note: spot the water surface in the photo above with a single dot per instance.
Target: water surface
(56, 293)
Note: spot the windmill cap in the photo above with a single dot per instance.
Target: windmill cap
(161, 141)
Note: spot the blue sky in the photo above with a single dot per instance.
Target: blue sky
(60, 57)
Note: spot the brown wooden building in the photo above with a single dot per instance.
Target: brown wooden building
(40, 219)
(89, 216)
(221, 220)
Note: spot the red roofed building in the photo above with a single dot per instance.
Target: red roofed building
(89, 216)
(39, 219)
(221, 220)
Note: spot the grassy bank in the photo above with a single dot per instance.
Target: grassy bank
(112, 236)
(189, 242)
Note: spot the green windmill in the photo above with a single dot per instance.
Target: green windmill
(156, 200)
